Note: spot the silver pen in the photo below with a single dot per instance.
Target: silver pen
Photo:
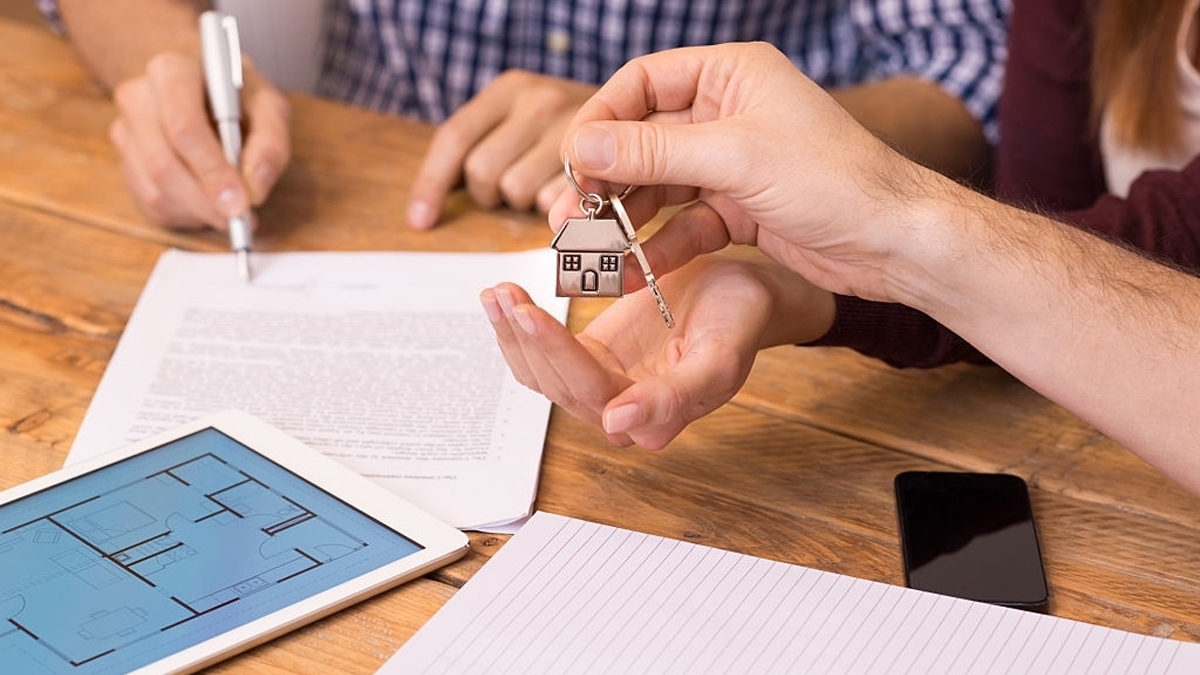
(222, 54)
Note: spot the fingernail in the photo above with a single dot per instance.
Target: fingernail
(490, 307)
(622, 418)
(595, 148)
(230, 203)
(525, 320)
(505, 298)
(420, 215)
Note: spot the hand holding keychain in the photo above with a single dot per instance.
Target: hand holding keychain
(591, 250)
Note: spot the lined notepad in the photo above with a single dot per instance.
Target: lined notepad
(570, 596)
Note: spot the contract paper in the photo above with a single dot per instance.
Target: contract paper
(383, 360)
(570, 596)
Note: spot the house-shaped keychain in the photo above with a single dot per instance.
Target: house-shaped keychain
(591, 251)
(591, 258)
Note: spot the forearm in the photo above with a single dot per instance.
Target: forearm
(1153, 218)
(923, 122)
(116, 38)
(1104, 332)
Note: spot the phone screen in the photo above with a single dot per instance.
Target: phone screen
(970, 535)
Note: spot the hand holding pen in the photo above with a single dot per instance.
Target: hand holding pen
(171, 157)
(222, 54)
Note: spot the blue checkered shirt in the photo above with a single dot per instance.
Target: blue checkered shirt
(425, 58)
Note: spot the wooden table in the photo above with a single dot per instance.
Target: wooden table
(798, 467)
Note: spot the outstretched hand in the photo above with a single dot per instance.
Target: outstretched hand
(637, 380)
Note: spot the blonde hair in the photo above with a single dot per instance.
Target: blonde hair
(1134, 75)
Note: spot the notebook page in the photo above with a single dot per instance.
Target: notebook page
(570, 596)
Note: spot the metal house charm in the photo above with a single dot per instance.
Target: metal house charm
(591, 251)
(591, 258)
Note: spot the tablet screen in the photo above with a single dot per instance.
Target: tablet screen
(130, 563)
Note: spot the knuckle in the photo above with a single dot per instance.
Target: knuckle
(517, 190)
(527, 381)
(532, 383)
(515, 78)
(159, 166)
(548, 194)
(646, 154)
(449, 139)
(163, 66)
(282, 106)
(158, 65)
(653, 441)
(179, 129)
(482, 178)
(153, 202)
(273, 104)
(126, 94)
(562, 396)
(276, 155)
(544, 99)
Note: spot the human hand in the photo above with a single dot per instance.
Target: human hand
(738, 128)
(641, 382)
(504, 144)
(171, 157)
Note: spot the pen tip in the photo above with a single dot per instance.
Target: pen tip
(243, 263)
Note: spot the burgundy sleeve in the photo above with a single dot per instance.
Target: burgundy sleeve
(895, 334)
(1047, 157)
(1161, 216)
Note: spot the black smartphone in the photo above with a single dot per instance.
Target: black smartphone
(971, 535)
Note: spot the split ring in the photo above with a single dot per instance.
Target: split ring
(592, 197)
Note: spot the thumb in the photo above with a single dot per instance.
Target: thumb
(649, 153)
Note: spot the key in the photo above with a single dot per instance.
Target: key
(636, 247)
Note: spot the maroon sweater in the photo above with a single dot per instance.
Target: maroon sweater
(1047, 160)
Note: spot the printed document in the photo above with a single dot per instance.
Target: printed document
(569, 596)
(384, 360)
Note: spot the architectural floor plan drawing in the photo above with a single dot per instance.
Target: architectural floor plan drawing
(83, 582)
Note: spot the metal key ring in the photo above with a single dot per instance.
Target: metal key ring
(592, 197)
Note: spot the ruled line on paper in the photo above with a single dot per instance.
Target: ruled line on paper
(569, 596)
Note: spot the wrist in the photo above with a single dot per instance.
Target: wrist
(118, 39)
(935, 244)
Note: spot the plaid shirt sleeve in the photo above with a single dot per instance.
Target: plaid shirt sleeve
(961, 45)
(424, 59)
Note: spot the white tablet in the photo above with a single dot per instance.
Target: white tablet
(185, 548)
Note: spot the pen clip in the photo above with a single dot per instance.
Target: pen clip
(233, 43)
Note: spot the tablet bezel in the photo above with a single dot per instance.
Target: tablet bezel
(441, 543)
